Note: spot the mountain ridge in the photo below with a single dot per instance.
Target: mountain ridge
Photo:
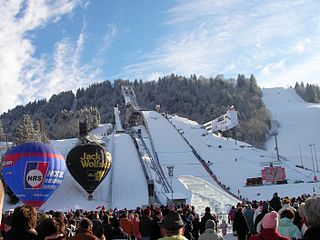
(199, 99)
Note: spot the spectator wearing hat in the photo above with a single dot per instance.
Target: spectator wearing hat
(172, 227)
(312, 218)
(285, 205)
(269, 228)
(210, 233)
(287, 227)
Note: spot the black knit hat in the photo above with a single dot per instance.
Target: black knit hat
(172, 221)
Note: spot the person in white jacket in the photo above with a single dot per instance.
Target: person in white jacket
(209, 232)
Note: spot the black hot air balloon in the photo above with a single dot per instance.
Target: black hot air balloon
(89, 164)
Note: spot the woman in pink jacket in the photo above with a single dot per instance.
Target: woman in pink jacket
(269, 228)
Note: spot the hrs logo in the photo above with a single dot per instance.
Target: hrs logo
(34, 174)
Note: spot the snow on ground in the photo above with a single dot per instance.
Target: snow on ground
(232, 162)
(129, 186)
(173, 151)
(299, 126)
(70, 195)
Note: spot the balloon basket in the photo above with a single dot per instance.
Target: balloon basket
(90, 197)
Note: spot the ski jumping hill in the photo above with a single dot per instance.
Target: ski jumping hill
(208, 170)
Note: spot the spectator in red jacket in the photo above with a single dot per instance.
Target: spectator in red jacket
(269, 228)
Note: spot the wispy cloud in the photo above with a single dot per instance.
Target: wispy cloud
(306, 71)
(234, 36)
(269, 38)
(300, 46)
(24, 77)
(107, 40)
(272, 67)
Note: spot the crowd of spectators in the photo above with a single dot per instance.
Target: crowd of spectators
(280, 218)
(25, 222)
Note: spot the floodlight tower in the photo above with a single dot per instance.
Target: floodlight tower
(274, 132)
(314, 170)
(170, 173)
(300, 155)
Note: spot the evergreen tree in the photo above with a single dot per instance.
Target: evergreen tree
(39, 134)
(2, 134)
(196, 98)
(308, 92)
(25, 131)
(37, 127)
(311, 94)
(241, 81)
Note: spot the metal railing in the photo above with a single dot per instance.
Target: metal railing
(156, 165)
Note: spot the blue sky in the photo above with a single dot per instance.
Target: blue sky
(50, 46)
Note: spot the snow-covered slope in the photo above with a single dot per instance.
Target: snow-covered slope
(129, 186)
(299, 125)
(233, 162)
(172, 150)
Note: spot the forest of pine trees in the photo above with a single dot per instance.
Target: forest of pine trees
(309, 92)
(199, 99)
(29, 131)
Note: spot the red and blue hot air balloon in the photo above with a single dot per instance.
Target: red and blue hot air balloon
(33, 171)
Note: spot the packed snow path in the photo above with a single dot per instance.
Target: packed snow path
(172, 150)
(129, 185)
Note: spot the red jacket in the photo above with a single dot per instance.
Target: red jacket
(268, 234)
(127, 226)
(85, 234)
